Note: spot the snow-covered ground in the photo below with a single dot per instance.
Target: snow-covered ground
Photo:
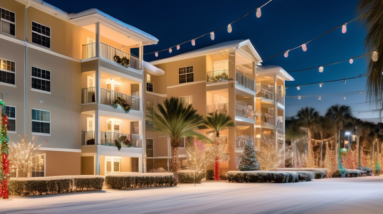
(337, 195)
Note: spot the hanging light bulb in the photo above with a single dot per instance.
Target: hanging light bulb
(321, 69)
(361, 92)
(299, 97)
(178, 47)
(229, 28)
(298, 88)
(156, 54)
(170, 50)
(375, 56)
(351, 61)
(193, 42)
(344, 81)
(344, 97)
(320, 85)
(212, 35)
(259, 12)
(304, 47)
(287, 53)
(344, 28)
(319, 98)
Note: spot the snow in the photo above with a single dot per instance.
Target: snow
(336, 195)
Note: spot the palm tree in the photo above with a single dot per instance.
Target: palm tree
(323, 126)
(339, 115)
(294, 132)
(218, 122)
(373, 16)
(306, 118)
(177, 120)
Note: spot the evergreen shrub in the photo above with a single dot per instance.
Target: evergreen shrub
(139, 180)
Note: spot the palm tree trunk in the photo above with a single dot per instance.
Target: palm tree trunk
(175, 165)
(321, 154)
(295, 153)
(216, 162)
(309, 152)
(358, 147)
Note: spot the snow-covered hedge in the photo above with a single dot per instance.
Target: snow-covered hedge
(139, 180)
(319, 172)
(306, 175)
(188, 176)
(349, 173)
(368, 170)
(54, 184)
(267, 176)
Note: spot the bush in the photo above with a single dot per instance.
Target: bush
(368, 170)
(88, 183)
(139, 180)
(267, 176)
(319, 172)
(187, 176)
(348, 173)
(210, 175)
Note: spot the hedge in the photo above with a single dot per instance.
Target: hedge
(267, 176)
(319, 172)
(349, 173)
(190, 176)
(54, 185)
(139, 180)
(368, 170)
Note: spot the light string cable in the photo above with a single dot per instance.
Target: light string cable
(219, 29)
(320, 83)
(332, 94)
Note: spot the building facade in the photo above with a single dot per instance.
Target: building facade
(60, 80)
(227, 78)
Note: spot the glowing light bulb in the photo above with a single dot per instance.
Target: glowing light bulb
(178, 47)
(304, 47)
(229, 28)
(344, 98)
(170, 50)
(193, 42)
(320, 85)
(299, 97)
(212, 35)
(321, 69)
(375, 56)
(298, 88)
(344, 28)
(156, 54)
(259, 12)
(344, 81)
(351, 61)
(319, 98)
(286, 54)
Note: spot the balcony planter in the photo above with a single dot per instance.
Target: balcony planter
(90, 142)
(121, 102)
(122, 61)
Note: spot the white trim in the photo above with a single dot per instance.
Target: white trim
(11, 39)
(157, 94)
(244, 119)
(59, 149)
(280, 105)
(244, 89)
(40, 91)
(188, 83)
(89, 59)
(209, 84)
(7, 84)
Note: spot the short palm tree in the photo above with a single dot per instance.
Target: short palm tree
(307, 118)
(177, 120)
(218, 122)
(339, 115)
(373, 17)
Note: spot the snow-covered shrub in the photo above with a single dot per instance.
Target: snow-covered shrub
(368, 170)
(319, 172)
(349, 173)
(190, 176)
(139, 180)
(88, 183)
(210, 174)
(306, 175)
(249, 160)
(264, 176)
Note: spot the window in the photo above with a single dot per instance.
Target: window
(149, 147)
(112, 165)
(8, 22)
(41, 121)
(7, 71)
(41, 79)
(188, 100)
(41, 35)
(10, 111)
(38, 165)
(186, 74)
(149, 84)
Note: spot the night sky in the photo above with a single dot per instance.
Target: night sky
(284, 24)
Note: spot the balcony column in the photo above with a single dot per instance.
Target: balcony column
(231, 108)
(141, 55)
(276, 110)
(98, 72)
(97, 140)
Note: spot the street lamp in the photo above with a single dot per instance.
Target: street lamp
(348, 142)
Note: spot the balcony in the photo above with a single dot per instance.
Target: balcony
(265, 93)
(109, 52)
(265, 119)
(244, 111)
(217, 76)
(108, 97)
(244, 81)
(279, 125)
(219, 108)
(108, 139)
(240, 141)
(280, 99)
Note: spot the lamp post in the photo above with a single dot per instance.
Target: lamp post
(347, 134)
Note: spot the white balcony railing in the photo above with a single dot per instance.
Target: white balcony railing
(218, 107)
(265, 93)
(109, 139)
(217, 76)
(244, 81)
(244, 111)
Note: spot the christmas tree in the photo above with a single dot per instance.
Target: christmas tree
(249, 160)
(4, 151)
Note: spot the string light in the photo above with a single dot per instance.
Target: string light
(344, 97)
(344, 28)
(351, 61)
(375, 56)
(258, 13)
(287, 53)
(156, 54)
(344, 81)
(304, 47)
(229, 28)
(299, 97)
(321, 69)
(212, 35)
(178, 47)
(320, 85)
(298, 88)
(193, 42)
(320, 98)
(170, 50)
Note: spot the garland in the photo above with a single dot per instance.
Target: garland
(4, 163)
(124, 105)
(123, 61)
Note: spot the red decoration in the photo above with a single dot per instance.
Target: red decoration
(216, 169)
(5, 120)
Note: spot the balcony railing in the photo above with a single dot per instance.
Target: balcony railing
(219, 108)
(244, 111)
(280, 99)
(265, 93)
(217, 76)
(108, 52)
(109, 138)
(240, 141)
(280, 125)
(265, 119)
(108, 97)
(244, 81)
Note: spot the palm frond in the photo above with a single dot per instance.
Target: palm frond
(218, 122)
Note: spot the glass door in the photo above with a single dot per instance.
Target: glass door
(112, 165)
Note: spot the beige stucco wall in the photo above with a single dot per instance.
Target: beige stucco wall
(18, 9)
(87, 165)
(62, 163)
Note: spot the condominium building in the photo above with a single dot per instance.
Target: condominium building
(227, 78)
(61, 75)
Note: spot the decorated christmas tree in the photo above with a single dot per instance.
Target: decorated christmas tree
(4, 162)
(249, 160)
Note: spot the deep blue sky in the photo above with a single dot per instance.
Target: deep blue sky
(284, 24)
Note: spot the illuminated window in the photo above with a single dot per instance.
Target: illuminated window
(7, 72)
(38, 167)
(112, 165)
